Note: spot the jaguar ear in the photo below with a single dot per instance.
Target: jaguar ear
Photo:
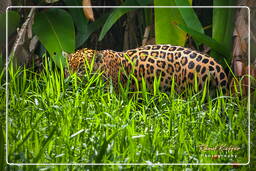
(65, 54)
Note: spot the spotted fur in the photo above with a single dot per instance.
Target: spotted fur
(154, 61)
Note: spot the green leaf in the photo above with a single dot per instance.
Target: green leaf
(206, 40)
(80, 21)
(113, 17)
(189, 16)
(44, 145)
(56, 32)
(103, 149)
(148, 13)
(144, 2)
(13, 22)
(117, 13)
(165, 30)
(94, 26)
(2, 152)
(1, 64)
(223, 23)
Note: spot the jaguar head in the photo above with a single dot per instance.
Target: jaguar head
(81, 60)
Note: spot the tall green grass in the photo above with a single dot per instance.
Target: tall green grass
(52, 119)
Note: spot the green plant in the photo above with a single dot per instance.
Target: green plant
(223, 26)
(13, 21)
(62, 120)
(178, 21)
(53, 119)
(165, 30)
(117, 13)
(55, 30)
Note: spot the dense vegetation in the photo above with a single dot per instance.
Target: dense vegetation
(58, 120)
(54, 119)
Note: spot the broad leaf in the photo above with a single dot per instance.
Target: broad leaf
(223, 23)
(165, 30)
(189, 16)
(56, 32)
(13, 22)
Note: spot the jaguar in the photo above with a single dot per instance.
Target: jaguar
(166, 62)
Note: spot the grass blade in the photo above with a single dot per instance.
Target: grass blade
(2, 142)
(104, 146)
(44, 144)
